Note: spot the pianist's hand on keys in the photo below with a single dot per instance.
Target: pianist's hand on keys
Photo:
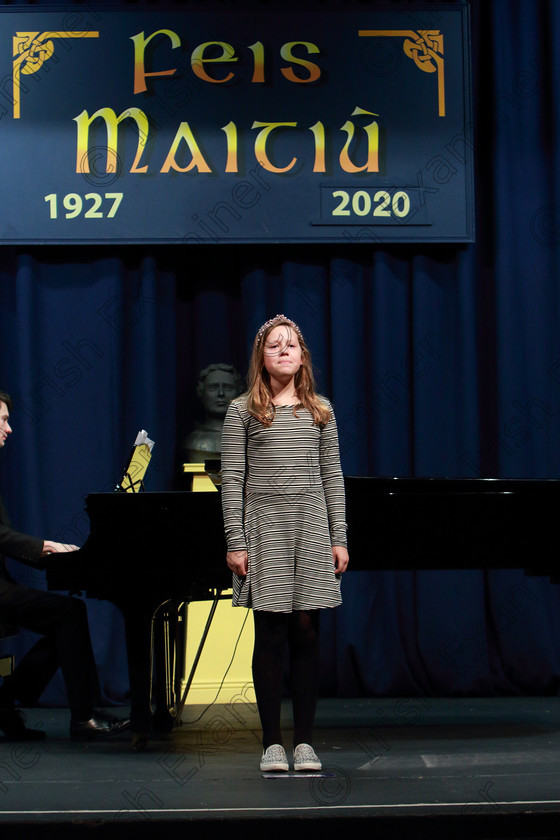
(50, 547)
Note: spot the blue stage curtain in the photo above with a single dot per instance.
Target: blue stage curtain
(440, 360)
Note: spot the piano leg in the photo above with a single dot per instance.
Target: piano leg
(164, 646)
(138, 625)
(138, 618)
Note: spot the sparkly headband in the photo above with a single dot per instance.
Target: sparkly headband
(275, 320)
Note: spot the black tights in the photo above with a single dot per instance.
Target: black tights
(300, 631)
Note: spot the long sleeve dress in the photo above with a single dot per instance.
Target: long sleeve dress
(283, 502)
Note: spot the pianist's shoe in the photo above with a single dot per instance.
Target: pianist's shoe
(12, 724)
(100, 725)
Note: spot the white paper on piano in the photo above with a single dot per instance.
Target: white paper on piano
(142, 437)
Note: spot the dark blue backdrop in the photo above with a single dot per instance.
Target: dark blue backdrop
(440, 360)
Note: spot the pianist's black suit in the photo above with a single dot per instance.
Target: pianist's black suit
(60, 620)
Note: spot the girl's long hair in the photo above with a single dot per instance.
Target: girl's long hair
(259, 393)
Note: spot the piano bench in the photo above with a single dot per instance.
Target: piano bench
(6, 665)
(7, 633)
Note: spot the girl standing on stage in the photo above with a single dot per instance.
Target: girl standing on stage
(284, 516)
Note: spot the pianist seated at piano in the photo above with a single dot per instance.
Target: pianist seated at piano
(218, 384)
(65, 642)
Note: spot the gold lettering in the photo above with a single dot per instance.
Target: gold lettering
(184, 133)
(198, 60)
(140, 44)
(372, 131)
(111, 124)
(231, 138)
(260, 145)
(313, 70)
(258, 61)
(319, 133)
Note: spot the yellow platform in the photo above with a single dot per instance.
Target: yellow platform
(226, 657)
(223, 674)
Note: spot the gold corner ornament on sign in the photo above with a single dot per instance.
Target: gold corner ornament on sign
(425, 47)
(31, 50)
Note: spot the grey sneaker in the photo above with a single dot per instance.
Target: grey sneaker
(305, 758)
(274, 759)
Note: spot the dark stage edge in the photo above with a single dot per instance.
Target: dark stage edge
(407, 768)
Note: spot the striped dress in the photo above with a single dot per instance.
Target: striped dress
(283, 502)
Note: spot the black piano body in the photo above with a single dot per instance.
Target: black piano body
(145, 549)
(452, 523)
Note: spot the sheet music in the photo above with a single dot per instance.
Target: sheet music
(132, 481)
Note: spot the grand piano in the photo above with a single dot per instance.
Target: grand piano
(147, 549)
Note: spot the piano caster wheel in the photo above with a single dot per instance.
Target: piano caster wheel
(140, 741)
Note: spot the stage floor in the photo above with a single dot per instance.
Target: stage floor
(411, 767)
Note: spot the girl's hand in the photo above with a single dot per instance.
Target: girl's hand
(340, 557)
(237, 562)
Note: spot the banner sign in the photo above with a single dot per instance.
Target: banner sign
(202, 126)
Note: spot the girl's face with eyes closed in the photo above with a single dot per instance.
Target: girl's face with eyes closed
(282, 352)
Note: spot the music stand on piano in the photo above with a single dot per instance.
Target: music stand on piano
(135, 470)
